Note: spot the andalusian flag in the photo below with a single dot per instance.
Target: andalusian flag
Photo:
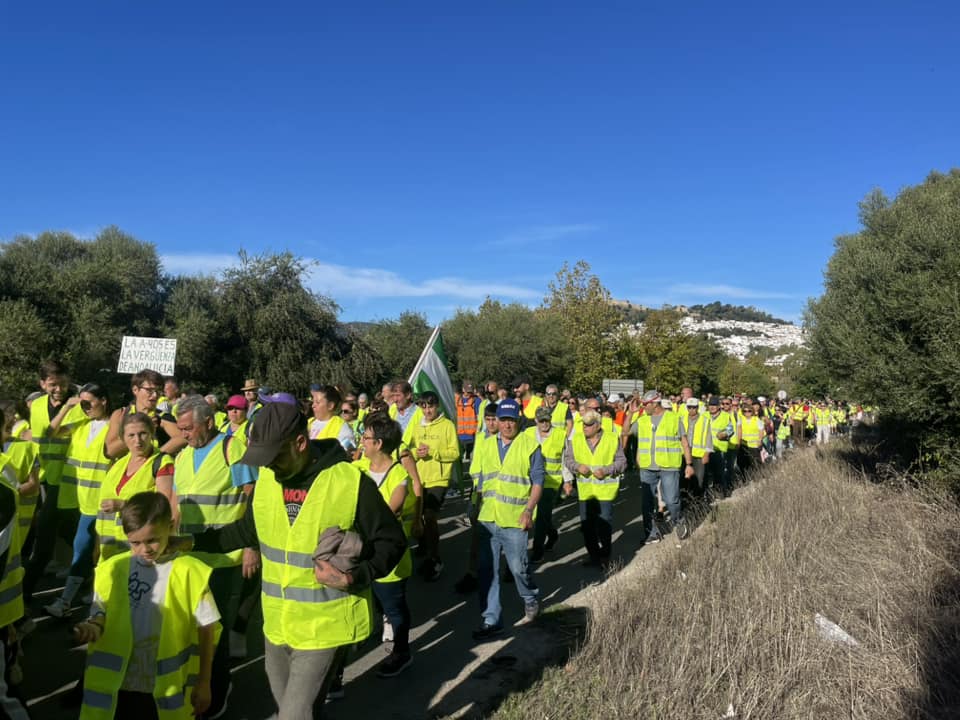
(430, 373)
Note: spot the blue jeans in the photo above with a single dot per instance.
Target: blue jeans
(513, 543)
(83, 544)
(392, 597)
(669, 481)
(596, 524)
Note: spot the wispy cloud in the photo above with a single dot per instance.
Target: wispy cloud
(343, 282)
(544, 233)
(726, 291)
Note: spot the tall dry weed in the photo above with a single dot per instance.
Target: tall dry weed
(729, 619)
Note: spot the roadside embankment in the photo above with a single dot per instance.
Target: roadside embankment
(724, 625)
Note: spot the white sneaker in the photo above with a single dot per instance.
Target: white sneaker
(387, 630)
(58, 608)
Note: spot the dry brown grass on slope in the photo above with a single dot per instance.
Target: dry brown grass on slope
(810, 538)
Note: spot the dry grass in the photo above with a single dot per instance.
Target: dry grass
(811, 537)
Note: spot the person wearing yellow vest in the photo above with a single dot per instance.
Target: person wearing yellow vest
(237, 423)
(219, 416)
(152, 627)
(146, 386)
(662, 449)
(312, 609)
(595, 457)
(696, 427)
(142, 469)
(51, 421)
(823, 418)
(327, 422)
(783, 431)
(84, 471)
(750, 438)
(722, 459)
(363, 407)
(560, 415)
(251, 392)
(552, 441)
(22, 455)
(381, 439)
(11, 576)
(512, 477)
(433, 442)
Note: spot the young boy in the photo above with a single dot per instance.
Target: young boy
(151, 606)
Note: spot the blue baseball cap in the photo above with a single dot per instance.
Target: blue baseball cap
(508, 408)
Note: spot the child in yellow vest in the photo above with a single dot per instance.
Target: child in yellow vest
(153, 624)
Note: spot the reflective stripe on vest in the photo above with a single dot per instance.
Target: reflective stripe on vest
(84, 470)
(588, 487)
(699, 446)
(751, 430)
(51, 450)
(719, 423)
(11, 583)
(109, 527)
(506, 490)
(551, 447)
(669, 452)
(466, 417)
(297, 611)
(177, 663)
(207, 497)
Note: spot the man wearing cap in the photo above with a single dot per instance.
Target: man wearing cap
(551, 441)
(722, 429)
(312, 611)
(662, 448)
(528, 401)
(595, 458)
(697, 428)
(511, 481)
(433, 442)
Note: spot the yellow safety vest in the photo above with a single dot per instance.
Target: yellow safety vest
(751, 431)
(11, 584)
(207, 497)
(589, 487)
(717, 425)
(84, 470)
(551, 447)
(178, 660)
(331, 431)
(559, 417)
(22, 455)
(699, 447)
(395, 477)
(530, 411)
(669, 453)
(297, 610)
(506, 487)
(113, 540)
(481, 448)
(51, 449)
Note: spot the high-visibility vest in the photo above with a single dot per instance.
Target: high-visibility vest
(23, 458)
(669, 452)
(52, 450)
(530, 411)
(551, 447)
(11, 583)
(478, 462)
(751, 431)
(113, 540)
(698, 448)
(395, 477)
(331, 431)
(207, 497)
(466, 416)
(559, 417)
(783, 431)
(178, 660)
(18, 429)
(84, 469)
(506, 488)
(298, 611)
(722, 421)
(589, 487)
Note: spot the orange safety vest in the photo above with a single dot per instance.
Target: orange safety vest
(466, 417)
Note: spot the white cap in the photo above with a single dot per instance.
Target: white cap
(614, 397)
(761, 398)
(693, 402)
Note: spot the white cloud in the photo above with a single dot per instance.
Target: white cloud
(343, 282)
(727, 291)
(544, 233)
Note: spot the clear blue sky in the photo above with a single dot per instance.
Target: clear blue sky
(429, 154)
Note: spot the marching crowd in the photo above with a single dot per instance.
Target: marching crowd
(183, 515)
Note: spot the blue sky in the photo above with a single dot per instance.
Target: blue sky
(429, 154)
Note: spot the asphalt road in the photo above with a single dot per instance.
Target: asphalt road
(450, 674)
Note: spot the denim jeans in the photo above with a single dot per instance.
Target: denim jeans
(596, 524)
(513, 543)
(669, 481)
(83, 544)
(392, 597)
(544, 522)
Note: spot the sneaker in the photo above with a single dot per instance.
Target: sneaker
(336, 690)
(487, 631)
(683, 531)
(387, 633)
(238, 644)
(552, 538)
(219, 712)
(394, 665)
(59, 608)
(467, 584)
(26, 626)
(652, 539)
(436, 570)
(530, 613)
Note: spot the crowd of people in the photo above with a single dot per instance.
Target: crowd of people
(183, 515)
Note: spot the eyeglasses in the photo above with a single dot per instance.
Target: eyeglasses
(347, 410)
(367, 437)
(544, 420)
(551, 394)
(590, 424)
(149, 390)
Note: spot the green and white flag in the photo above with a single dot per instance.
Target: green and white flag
(430, 373)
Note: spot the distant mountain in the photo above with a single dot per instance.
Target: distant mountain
(716, 311)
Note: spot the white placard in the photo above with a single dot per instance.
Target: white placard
(141, 353)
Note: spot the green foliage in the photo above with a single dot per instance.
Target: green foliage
(748, 376)
(723, 311)
(887, 328)
(398, 343)
(25, 339)
(579, 307)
